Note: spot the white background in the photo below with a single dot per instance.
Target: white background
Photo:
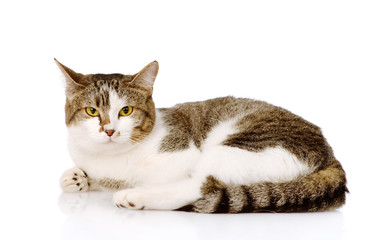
(320, 59)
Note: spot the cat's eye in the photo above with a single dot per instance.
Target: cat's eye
(125, 111)
(92, 111)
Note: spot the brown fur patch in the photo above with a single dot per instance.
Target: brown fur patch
(261, 126)
(193, 121)
(112, 184)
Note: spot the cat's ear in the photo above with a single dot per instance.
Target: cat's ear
(73, 79)
(146, 77)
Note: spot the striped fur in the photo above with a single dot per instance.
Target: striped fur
(320, 191)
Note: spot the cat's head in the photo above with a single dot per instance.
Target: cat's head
(109, 108)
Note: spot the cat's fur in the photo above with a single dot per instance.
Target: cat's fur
(220, 155)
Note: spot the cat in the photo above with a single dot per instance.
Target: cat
(223, 155)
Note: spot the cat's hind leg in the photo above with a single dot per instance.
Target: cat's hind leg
(161, 197)
(74, 180)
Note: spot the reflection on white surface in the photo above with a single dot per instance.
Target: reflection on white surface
(92, 215)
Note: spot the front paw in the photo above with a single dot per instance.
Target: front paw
(74, 180)
(131, 199)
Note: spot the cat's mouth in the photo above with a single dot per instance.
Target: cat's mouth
(109, 141)
(113, 140)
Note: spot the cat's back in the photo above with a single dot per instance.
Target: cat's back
(213, 110)
(257, 126)
(202, 116)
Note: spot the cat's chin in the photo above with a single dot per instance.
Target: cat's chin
(117, 142)
(111, 141)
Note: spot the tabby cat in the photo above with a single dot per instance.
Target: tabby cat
(224, 155)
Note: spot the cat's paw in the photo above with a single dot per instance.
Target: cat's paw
(131, 199)
(74, 180)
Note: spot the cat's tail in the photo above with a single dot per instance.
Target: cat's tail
(322, 190)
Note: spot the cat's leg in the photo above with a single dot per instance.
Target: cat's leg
(74, 180)
(161, 197)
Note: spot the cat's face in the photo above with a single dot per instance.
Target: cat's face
(109, 109)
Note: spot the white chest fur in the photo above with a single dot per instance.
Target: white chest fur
(140, 164)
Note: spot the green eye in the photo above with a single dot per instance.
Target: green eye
(126, 111)
(92, 111)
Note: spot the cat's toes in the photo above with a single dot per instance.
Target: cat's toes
(74, 180)
(130, 199)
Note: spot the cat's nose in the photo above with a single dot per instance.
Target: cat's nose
(109, 132)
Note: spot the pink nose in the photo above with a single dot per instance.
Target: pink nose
(109, 132)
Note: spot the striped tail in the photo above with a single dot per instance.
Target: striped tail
(322, 190)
